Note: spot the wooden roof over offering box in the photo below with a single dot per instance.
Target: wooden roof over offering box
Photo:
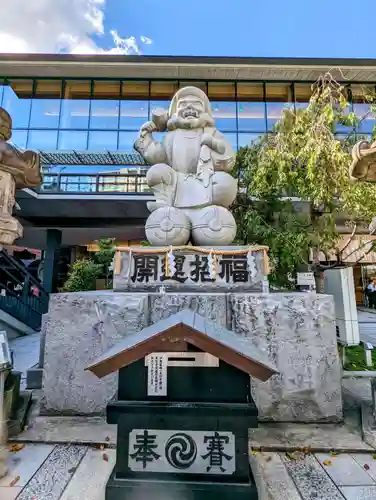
(185, 327)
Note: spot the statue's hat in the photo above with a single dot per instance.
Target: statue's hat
(186, 91)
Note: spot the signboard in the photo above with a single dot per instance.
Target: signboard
(190, 452)
(306, 279)
(190, 269)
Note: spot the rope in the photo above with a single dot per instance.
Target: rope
(189, 248)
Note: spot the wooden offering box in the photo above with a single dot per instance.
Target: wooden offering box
(183, 410)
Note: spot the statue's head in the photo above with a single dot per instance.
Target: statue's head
(189, 109)
(5, 125)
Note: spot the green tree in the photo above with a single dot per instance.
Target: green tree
(104, 258)
(82, 276)
(304, 159)
(84, 273)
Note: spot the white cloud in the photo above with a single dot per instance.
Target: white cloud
(50, 26)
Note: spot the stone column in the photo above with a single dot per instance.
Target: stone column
(17, 171)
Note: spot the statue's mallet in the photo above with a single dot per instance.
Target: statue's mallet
(159, 118)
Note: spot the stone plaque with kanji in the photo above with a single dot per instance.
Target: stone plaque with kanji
(239, 268)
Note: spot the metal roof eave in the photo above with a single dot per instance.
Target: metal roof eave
(184, 67)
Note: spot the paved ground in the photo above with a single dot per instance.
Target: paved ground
(77, 472)
(71, 472)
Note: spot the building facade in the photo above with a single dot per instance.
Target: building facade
(83, 114)
(105, 115)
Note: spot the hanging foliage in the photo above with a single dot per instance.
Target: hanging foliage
(295, 182)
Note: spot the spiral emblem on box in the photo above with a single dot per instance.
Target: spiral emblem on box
(181, 451)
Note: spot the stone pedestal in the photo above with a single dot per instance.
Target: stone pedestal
(295, 330)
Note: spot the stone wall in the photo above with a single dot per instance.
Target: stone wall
(295, 330)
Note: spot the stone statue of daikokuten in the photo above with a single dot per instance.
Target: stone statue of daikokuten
(189, 174)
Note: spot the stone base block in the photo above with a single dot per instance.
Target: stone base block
(295, 330)
(132, 489)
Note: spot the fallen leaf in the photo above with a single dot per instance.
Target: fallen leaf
(15, 481)
(374, 457)
(254, 452)
(269, 458)
(334, 453)
(290, 456)
(327, 462)
(366, 467)
(72, 470)
(105, 457)
(15, 448)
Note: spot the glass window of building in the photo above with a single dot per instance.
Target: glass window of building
(251, 107)
(302, 94)
(249, 91)
(361, 97)
(133, 89)
(232, 139)
(106, 89)
(163, 90)
(76, 105)
(245, 139)
(45, 106)
(103, 141)
(133, 114)
(43, 140)
(251, 117)
(201, 85)
(17, 101)
(126, 140)
(72, 140)
(224, 114)
(19, 138)
(45, 113)
(221, 91)
(278, 97)
(104, 114)
(2, 85)
(104, 111)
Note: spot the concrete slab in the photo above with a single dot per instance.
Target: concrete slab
(9, 493)
(269, 437)
(89, 481)
(345, 471)
(25, 463)
(368, 463)
(359, 493)
(311, 480)
(60, 430)
(52, 478)
(272, 479)
(317, 437)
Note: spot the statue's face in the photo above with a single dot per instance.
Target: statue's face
(190, 107)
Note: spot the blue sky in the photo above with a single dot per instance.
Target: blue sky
(276, 28)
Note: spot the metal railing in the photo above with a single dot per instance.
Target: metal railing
(132, 183)
(21, 295)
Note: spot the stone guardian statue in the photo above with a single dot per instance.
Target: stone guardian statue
(189, 174)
